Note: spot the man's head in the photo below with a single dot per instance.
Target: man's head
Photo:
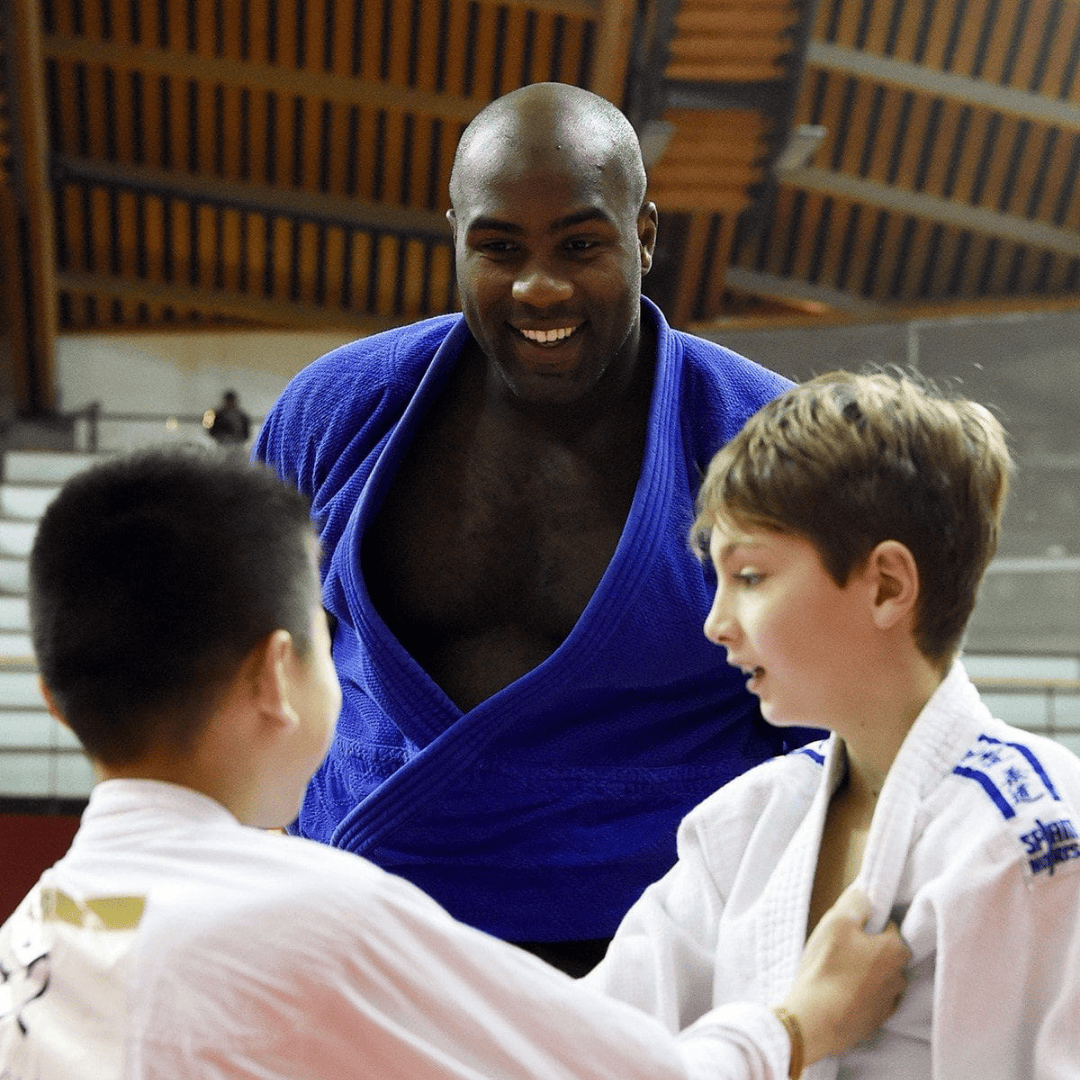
(552, 236)
(152, 577)
(850, 461)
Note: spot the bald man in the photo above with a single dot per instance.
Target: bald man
(503, 498)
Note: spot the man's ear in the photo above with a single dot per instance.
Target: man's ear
(452, 218)
(269, 667)
(894, 577)
(50, 703)
(646, 229)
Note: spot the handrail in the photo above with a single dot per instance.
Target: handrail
(95, 414)
(1011, 682)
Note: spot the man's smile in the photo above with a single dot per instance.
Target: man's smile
(553, 336)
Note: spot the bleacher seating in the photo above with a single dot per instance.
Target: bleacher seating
(39, 759)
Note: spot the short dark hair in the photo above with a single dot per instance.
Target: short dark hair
(850, 460)
(152, 576)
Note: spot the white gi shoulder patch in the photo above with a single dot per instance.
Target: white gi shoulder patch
(1015, 781)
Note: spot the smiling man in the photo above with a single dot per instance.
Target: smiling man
(502, 498)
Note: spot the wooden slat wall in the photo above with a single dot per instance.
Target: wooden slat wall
(717, 159)
(210, 89)
(273, 163)
(914, 141)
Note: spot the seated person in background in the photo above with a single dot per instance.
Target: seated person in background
(849, 525)
(229, 424)
(176, 618)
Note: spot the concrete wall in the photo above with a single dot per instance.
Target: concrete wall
(183, 372)
(1025, 366)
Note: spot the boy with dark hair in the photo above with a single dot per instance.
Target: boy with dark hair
(176, 615)
(849, 525)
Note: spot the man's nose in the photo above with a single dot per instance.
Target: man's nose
(541, 286)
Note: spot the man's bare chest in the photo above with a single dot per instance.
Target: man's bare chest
(488, 526)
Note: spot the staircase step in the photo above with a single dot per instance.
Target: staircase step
(16, 538)
(25, 502)
(14, 614)
(43, 466)
(37, 774)
(16, 648)
(34, 729)
(19, 690)
(13, 576)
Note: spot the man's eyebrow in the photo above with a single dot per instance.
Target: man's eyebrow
(494, 224)
(591, 213)
(568, 221)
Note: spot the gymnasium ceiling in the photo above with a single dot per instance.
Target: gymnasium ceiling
(284, 163)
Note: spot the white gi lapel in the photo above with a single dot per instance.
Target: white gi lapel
(786, 901)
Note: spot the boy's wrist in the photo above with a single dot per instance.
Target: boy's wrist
(795, 1038)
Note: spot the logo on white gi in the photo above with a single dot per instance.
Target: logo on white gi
(1050, 845)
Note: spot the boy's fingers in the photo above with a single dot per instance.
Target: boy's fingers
(854, 904)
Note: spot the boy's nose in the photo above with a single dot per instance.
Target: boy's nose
(538, 286)
(719, 625)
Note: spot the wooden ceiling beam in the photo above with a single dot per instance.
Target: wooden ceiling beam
(695, 200)
(775, 287)
(300, 82)
(919, 204)
(841, 307)
(709, 174)
(719, 21)
(291, 203)
(963, 89)
(615, 25)
(28, 218)
(578, 8)
(731, 71)
(743, 49)
(220, 303)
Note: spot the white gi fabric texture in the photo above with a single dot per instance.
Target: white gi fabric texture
(973, 850)
(171, 942)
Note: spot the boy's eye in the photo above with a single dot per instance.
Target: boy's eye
(748, 577)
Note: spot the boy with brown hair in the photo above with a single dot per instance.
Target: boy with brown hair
(849, 524)
(176, 616)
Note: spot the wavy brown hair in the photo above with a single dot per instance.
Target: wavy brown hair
(849, 460)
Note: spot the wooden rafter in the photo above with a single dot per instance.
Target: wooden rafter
(26, 208)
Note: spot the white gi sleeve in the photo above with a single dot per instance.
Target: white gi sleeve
(742, 1041)
(389, 986)
(1007, 981)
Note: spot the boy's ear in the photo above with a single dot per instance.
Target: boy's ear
(50, 703)
(271, 683)
(894, 576)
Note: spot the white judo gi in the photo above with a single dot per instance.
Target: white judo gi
(173, 943)
(973, 850)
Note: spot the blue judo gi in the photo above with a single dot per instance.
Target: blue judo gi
(542, 813)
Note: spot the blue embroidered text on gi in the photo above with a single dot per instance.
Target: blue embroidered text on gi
(1051, 843)
(1009, 773)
